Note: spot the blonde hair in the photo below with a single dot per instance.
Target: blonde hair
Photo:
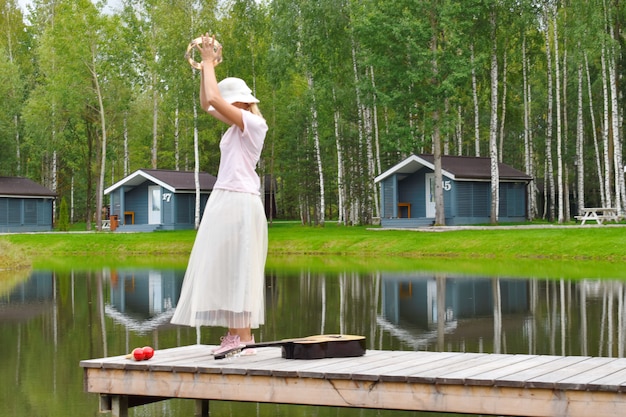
(254, 109)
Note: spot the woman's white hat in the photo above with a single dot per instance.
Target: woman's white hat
(235, 90)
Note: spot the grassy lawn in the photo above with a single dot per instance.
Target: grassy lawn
(495, 249)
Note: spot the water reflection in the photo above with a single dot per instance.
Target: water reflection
(142, 300)
(51, 320)
(423, 311)
(28, 297)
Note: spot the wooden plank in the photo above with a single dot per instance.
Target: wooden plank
(481, 373)
(400, 372)
(596, 368)
(431, 375)
(489, 377)
(550, 380)
(543, 366)
(373, 370)
(269, 362)
(612, 382)
(332, 365)
(347, 369)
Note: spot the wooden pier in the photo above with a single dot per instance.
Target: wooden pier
(492, 384)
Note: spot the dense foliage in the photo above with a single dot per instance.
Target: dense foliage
(349, 88)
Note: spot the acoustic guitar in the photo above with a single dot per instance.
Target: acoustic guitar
(311, 347)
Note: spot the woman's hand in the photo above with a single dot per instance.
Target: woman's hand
(209, 51)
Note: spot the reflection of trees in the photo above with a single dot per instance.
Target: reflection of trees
(562, 317)
(11, 278)
(581, 318)
(42, 349)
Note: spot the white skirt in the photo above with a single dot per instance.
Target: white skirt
(224, 282)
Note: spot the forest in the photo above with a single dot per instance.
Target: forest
(349, 88)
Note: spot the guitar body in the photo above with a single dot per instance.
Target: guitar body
(312, 347)
(324, 346)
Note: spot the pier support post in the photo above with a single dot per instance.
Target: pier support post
(202, 408)
(119, 406)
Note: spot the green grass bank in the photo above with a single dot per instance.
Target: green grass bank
(579, 250)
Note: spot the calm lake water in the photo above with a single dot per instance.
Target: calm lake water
(49, 321)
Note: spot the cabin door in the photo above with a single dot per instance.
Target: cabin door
(154, 204)
(430, 195)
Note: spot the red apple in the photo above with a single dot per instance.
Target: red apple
(148, 352)
(138, 354)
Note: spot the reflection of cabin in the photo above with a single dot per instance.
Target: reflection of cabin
(25, 206)
(28, 298)
(408, 192)
(158, 199)
(415, 300)
(143, 299)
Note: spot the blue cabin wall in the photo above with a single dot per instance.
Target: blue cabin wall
(137, 200)
(25, 214)
(185, 208)
(412, 190)
(389, 197)
(177, 209)
(465, 202)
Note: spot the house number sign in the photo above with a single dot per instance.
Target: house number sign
(167, 197)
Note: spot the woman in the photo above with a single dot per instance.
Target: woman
(224, 282)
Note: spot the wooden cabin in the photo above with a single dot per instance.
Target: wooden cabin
(157, 199)
(25, 206)
(407, 198)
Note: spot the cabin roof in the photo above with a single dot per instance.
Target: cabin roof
(174, 181)
(23, 187)
(456, 168)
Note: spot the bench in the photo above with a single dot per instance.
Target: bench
(598, 214)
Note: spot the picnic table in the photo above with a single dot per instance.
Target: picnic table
(598, 214)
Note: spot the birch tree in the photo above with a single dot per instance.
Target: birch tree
(493, 128)
(549, 193)
(12, 86)
(616, 114)
(559, 132)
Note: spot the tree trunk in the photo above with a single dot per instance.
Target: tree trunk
(493, 128)
(176, 138)
(503, 117)
(377, 164)
(475, 100)
(528, 140)
(340, 173)
(580, 160)
(566, 185)
(549, 192)
(126, 151)
(18, 157)
(440, 215)
(605, 134)
(196, 161)
(103, 152)
(318, 153)
(559, 139)
(594, 133)
(616, 112)
(459, 131)
(617, 142)
(155, 125)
